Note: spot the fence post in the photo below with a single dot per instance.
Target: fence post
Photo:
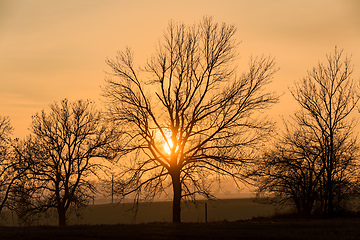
(206, 212)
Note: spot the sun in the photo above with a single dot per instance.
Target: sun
(167, 146)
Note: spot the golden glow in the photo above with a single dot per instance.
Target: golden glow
(168, 146)
(47, 48)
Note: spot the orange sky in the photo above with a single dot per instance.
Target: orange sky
(50, 50)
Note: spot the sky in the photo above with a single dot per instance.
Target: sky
(51, 50)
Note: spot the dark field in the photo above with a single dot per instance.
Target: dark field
(228, 219)
(340, 228)
(112, 214)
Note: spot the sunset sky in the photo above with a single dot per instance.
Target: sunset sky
(51, 50)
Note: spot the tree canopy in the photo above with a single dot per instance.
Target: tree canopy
(188, 114)
(61, 154)
(315, 162)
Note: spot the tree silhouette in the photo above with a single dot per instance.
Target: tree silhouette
(187, 118)
(11, 168)
(291, 171)
(61, 153)
(320, 150)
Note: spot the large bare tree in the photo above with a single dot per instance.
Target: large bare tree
(62, 154)
(189, 115)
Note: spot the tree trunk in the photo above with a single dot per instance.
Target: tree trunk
(177, 197)
(62, 216)
(330, 210)
(330, 172)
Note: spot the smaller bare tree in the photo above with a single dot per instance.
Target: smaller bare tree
(62, 153)
(10, 171)
(290, 172)
(318, 156)
(327, 96)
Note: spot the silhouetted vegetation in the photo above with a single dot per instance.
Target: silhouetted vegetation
(188, 119)
(183, 122)
(315, 164)
(61, 154)
(11, 167)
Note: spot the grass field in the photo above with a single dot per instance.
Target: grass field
(220, 210)
(228, 219)
(228, 209)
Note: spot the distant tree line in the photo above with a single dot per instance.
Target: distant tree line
(183, 122)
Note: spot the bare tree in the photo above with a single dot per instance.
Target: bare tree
(62, 153)
(187, 115)
(291, 171)
(323, 136)
(327, 96)
(10, 166)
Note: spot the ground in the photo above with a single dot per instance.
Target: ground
(265, 228)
